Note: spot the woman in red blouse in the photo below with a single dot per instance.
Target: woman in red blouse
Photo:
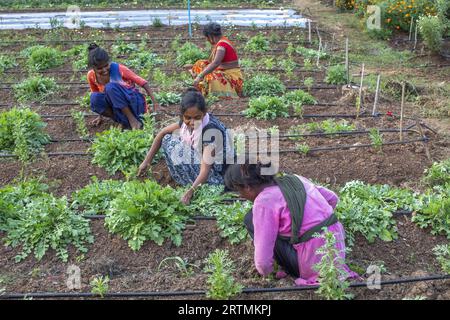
(113, 91)
(220, 75)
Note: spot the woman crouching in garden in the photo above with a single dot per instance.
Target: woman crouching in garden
(195, 148)
(113, 91)
(281, 205)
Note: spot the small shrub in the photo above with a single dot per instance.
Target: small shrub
(336, 75)
(115, 150)
(221, 284)
(258, 43)
(432, 30)
(7, 62)
(267, 108)
(230, 220)
(189, 53)
(263, 85)
(146, 211)
(438, 173)
(442, 253)
(78, 118)
(167, 98)
(42, 58)
(100, 285)
(22, 133)
(35, 88)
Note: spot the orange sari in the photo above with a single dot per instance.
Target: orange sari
(221, 83)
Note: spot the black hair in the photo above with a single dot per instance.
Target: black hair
(212, 29)
(192, 98)
(97, 56)
(243, 175)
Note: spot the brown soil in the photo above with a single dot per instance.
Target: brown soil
(409, 256)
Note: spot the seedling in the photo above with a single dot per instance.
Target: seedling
(78, 118)
(100, 285)
(303, 148)
(376, 137)
(184, 268)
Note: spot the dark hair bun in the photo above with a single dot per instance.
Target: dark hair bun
(192, 89)
(92, 46)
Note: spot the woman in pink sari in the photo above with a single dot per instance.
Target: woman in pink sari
(270, 222)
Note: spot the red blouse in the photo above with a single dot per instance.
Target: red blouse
(230, 52)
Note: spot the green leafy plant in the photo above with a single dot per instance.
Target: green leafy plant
(438, 173)
(22, 133)
(144, 62)
(41, 58)
(368, 209)
(308, 83)
(123, 48)
(14, 198)
(336, 75)
(376, 138)
(96, 197)
(157, 23)
(146, 211)
(183, 267)
(442, 253)
(435, 210)
(308, 53)
(47, 222)
(303, 148)
(263, 85)
(268, 62)
(431, 28)
(116, 150)
(167, 98)
(266, 108)
(288, 66)
(100, 285)
(7, 62)
(221, 284)
(230, 220)
(164, 81)
(297, 99)
(85, 101)
(331, 274)
(189, 53)
(78, 118)
(308, 65)
(258, 43)
(327, 126)
(207, 200)
(290, 49)
(35, 88)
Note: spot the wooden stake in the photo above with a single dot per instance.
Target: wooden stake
(318, 52)
(347, 66)
(309, 31)
(401, 111)
(411, 29)
(376, 95)
(415, 37)
(425, 145)
(360, 92)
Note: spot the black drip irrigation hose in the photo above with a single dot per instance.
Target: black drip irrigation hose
(344, 147)
(144, 294)
(318, 149)
(320, 134)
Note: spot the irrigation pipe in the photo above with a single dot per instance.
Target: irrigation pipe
(344, 147)
(143, 294)
(85, 154)
(318, 134)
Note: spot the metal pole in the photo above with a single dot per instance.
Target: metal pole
(189, 18)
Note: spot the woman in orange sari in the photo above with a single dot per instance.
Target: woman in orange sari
(220, 75)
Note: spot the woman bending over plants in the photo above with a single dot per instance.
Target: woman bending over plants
(220, 75)
(195, 148)
(282, 204)
(113, 91)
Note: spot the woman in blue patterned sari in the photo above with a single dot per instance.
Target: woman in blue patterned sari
(195, 148)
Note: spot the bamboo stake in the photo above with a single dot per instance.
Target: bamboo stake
(360, 92)
(347, 65)
(376, 95)
(318, 52)
(415, 37)
(411, 29)
(401, 111)
(425, 145)
(309, 31)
